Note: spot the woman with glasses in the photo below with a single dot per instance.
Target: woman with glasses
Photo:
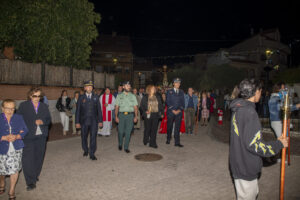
(37, 119)
(12, 132)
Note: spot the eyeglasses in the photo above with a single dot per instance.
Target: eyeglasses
(10, 109)
(35, 96)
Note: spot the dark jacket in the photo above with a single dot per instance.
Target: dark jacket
(82, 109)
(18, 127)
(174, 101)
(246, 143)
(26, 109)
(60, 107)
(144, 106)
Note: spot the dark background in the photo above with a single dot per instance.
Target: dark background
(165, 27)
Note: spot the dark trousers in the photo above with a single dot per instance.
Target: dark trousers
(189, 115)
(177, 119)
(150, 131)
(124, 129)
(91, 128)
(33, 158)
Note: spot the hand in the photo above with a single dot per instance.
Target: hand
(298, 105)
(284, 142)
(176, 112)
(39, 122)
(135, 120)
(162, 116)
(77, 126)
(4, 138)
(11, 138)
(117, 119)
(106, 105)
(100, 124)
(147, 112)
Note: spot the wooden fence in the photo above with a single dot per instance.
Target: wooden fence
(18, 72)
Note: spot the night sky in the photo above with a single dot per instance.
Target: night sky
(164, 27)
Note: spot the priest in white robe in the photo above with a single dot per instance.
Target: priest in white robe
(107, 101)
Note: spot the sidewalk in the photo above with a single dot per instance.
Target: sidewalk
(197, 171)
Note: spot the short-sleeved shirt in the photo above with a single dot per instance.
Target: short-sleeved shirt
(127, 102)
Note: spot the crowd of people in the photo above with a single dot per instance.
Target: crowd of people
(198, 107)
(23, 134)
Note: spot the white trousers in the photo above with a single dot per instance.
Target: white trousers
(64, 121)
(277, 127)
(246, 190)
(106, 128)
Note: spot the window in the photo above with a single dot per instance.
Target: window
(119, 68)
(108, 55)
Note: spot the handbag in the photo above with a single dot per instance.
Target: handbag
(68, 113)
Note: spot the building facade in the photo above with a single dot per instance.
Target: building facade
(263, 55)
(112, 54)
(146, 72)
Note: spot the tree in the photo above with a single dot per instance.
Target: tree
(290, 76)
(222, 76)
(191, 76)
(219, 76)
(51, 31)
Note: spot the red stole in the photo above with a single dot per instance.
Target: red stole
(104, 108)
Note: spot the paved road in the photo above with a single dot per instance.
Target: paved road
(197, 171)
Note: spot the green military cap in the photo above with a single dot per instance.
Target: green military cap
(126, 83)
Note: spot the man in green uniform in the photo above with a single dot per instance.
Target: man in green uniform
(126, 114)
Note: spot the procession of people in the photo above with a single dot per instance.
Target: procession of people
(172, 112)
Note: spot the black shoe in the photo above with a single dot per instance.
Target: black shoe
(30, 187)
(127, 150)
(153, 146)
(168, 142)
(145, 143)
(107, 136)
(178, 145)
(120, 148)
(93, 157)
(85, 154)
(99, 135)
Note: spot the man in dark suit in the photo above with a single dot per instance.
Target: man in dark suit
(88, 117)
(175, 106)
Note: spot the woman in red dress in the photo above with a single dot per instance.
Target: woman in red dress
(212, 102)
(163, 125)
(182, 126)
